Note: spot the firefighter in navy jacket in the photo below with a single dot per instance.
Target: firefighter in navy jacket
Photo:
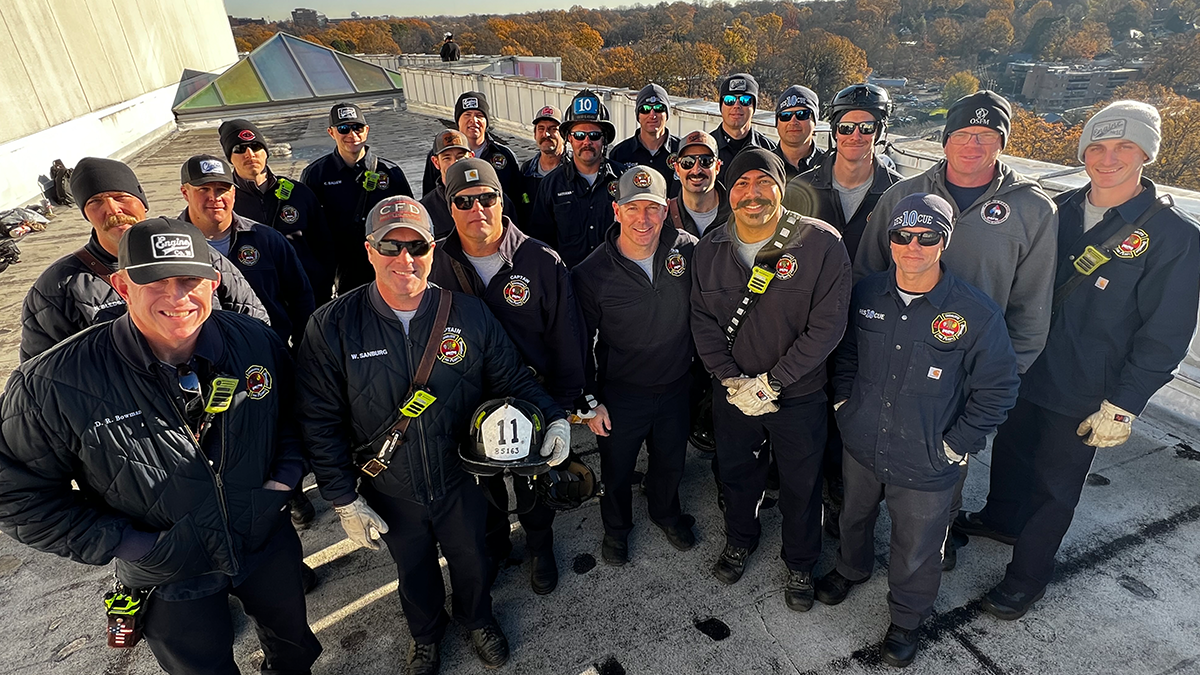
(926, 371)
(355, 370)
(1116, 334)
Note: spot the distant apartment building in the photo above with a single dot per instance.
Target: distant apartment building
(1060, 87)
(309, 18)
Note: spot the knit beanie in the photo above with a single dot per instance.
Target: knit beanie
(982, 109)
(93, 175)
(1139, 122)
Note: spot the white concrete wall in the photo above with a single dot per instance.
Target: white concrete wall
(95, 77)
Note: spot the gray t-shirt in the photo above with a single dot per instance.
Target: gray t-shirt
(704, 220)
(647, 265)
(909, 297)
(222, 244)
(405, 317)
(851, 197)
(590, 177)
(746, 252)
(487, 266)
(1092, 215)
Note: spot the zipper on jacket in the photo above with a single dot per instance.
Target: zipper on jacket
(424, 456)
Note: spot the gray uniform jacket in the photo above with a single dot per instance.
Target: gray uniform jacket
(1005, 245)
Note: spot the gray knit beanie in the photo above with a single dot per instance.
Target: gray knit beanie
(1139, 122)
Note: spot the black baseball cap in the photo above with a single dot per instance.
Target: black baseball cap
(202, 169)
(161, 248)
(346, 113)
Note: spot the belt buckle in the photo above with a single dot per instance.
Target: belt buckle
(373, 467)
(1090, 260)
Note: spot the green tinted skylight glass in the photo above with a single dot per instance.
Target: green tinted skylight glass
(397, 80)
(321, 67)
(366, 76)
(279, 72)
(207, 98)
(239, 85)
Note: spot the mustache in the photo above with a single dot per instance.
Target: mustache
(119, 220)
(754, 202)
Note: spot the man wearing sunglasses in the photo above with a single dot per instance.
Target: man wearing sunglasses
(528, 289)
(701, 204)
(348, 182)
(573, 209)
(796, 113)
(552, 152)
(403, 481)
(769, 303)
(471, 118)
(652, 144)
(738, 100)
(175, 424)
(449, 147)
(286, 205)
(926, 371)
(1006, 230)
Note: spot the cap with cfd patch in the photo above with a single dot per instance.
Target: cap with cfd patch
(548, 112)
(161, 248)
(394, 213)
(641, 182)
(449, 139)
(699, 138)
(202, 169)
(345, 113)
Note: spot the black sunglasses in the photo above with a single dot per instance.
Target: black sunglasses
(686, 163)
(745, 99)
(392, 248)
(588, 135)
(925, 238)
(847, 128)
(344, 129)
(243, 147)
(803, 114)
(467, 202)
(647, 108)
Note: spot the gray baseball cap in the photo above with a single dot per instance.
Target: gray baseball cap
(641, 182)
(396, 212)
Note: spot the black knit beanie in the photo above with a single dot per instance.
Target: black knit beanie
(93, 175)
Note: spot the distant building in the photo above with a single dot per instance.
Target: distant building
(1058, 87)
(308, 18)
(235, 21)
(895, 82)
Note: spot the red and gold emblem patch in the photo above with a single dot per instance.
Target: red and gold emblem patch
(948, 327)
(258, 382)
(516, 293)
(786, 267)
(676, 265)
(499, 161)
(1133, 246)
(641, 179)
(248, 256)
(452, 350)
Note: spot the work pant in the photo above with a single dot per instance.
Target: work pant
(918, 532)
(1039, 466)
(457, 523)
(797, 432)
(662, 421)
(538, 524)
(195, 637)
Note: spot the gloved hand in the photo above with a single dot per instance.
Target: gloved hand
(1109, 426)
(362, 525)
(839, 404)
(557, 444)
(585, 409)
(755, 396)
(951, 455)
(734, 384)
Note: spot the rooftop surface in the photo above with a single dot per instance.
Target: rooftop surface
(1126, 599)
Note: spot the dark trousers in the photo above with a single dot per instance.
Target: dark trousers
(456, 522)
(797, 432)
(538, 524)
(1039, 466)
(662, 421)
(919, 526)
(195, 637)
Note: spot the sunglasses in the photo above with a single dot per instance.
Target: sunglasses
(647, 108)
(804, 114)
(344, 129)
(847, 128)
(745, 99)
(587, 135)
(686, 163)
(925, 238)
(243, 147)
(983, 137)
(392, 248)
(467, 202)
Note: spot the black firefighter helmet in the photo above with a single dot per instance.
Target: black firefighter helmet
(587, 107)
(506, 435)
(568, 485)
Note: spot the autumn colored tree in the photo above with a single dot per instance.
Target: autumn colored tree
(822, 61)
(1177, 63)
(1032, 137)
(995, 32)
(957, 86)
(1091, 38)
(1178, 162)
(945, 34)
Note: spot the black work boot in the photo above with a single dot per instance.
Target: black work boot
(1009, 606)
(680, 535)
(614, 551)
(900, 645)
(798, 591)
(490, 645)
(301, 509)
(543, 572)
(834, 587)
(423, 659)
(732, 563)
(972, 525)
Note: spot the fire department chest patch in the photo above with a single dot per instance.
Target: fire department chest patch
(1134, 245)
(499, 161)
(676, 265)
(994, 212)
(453, 349)
(949, 326)
(289, 214)
(384, 180)
(612, 189)
(258, 382)
(248, 256)
(786, 267)
(516, 293)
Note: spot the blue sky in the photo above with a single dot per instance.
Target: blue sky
(282, 9)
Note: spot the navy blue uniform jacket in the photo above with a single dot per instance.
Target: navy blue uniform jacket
(1123, 331)
(571, 215)
(942, 368)
(632, 152)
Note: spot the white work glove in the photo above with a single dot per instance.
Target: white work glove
(753, 396)
(362, 525)
(1109, 426)
(839, 404)
(585, 410)
(951, 455)
(557, 444)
